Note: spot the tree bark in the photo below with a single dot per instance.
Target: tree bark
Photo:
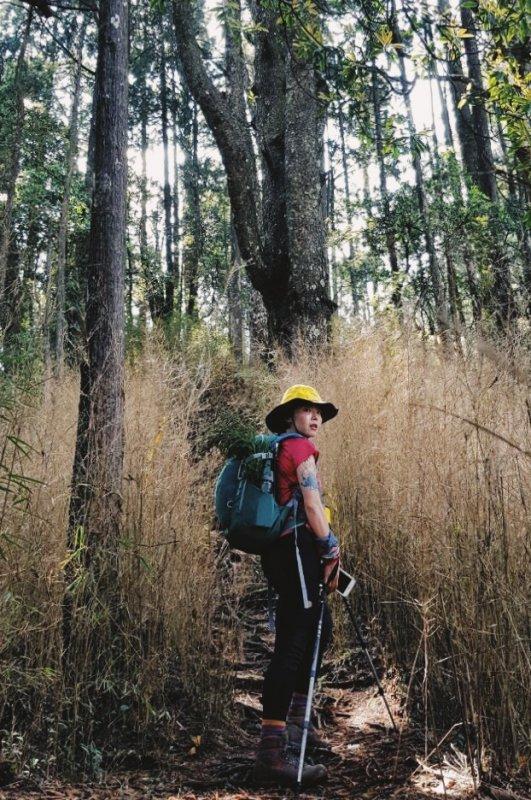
(232, 136)
(270, 121)
(234, 300)
(330, 216)
(500, 298)
(258, 329)
(307, 297)
(176, 202)
(193, 234)
(168, 230)
(96, 502)
(294, 300)
(71, 156)
(47, 348)
(486, 177)
(13, 166)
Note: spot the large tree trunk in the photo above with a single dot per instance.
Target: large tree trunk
(486, 177)
(270, 121)
(258, 329)
(96, 503)
(71, 156)
(234, 299)
(307, 299)
(295, 301)
(232, 136)
(13, 167)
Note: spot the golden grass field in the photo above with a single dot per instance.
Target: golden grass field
(426, 467)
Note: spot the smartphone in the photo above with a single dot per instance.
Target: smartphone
(346, 583)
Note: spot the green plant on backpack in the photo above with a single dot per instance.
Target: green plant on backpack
(234, 435)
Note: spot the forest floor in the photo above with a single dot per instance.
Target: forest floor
(365, 759)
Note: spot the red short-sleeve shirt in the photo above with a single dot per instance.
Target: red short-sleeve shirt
(292, 452)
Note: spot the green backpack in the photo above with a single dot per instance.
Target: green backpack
(249, 516)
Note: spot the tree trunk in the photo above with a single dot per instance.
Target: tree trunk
(486, 177)
(168, 231)
(71, 156)
(142, 232)
(193, 234)
(307, 308)
(294, 300)
(234, 300)
(269, 87)
(436, 278)
(258, 329)
(390, 238)
(330, 216)
(457, 191)
(13, 167)
(47, 349)
(176, 204)
(96, 503)
(348, 213)
(12, 311)
(500, 298)
(232, 136)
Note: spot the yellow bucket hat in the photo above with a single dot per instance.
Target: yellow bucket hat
(276, 420)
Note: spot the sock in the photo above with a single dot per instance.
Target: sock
(272, 727)
(298, 705)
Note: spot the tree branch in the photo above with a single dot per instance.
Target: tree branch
(232, 136)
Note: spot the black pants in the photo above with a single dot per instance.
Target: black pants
(296, 627)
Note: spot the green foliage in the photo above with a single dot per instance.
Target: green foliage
(507, 62)
(231, 432)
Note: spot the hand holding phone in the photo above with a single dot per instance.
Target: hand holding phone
(330, 575)
(346, 583)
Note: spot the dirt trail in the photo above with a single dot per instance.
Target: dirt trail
(366, 758)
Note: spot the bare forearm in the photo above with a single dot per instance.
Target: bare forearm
(317, 521)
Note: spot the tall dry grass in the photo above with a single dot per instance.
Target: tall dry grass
(175, 636)
(432, 512)
(427, 466)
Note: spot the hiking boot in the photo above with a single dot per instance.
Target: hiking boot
(295, 729)
(274, 766)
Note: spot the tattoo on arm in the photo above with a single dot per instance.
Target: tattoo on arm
(307, 474)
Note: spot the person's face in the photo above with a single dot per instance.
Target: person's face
(307, 420)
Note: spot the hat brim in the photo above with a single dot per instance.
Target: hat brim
(276, 420)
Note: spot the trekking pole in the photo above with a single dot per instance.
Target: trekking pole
(313, 675)
(365, 649)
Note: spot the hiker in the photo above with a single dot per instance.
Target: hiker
(296, 575)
